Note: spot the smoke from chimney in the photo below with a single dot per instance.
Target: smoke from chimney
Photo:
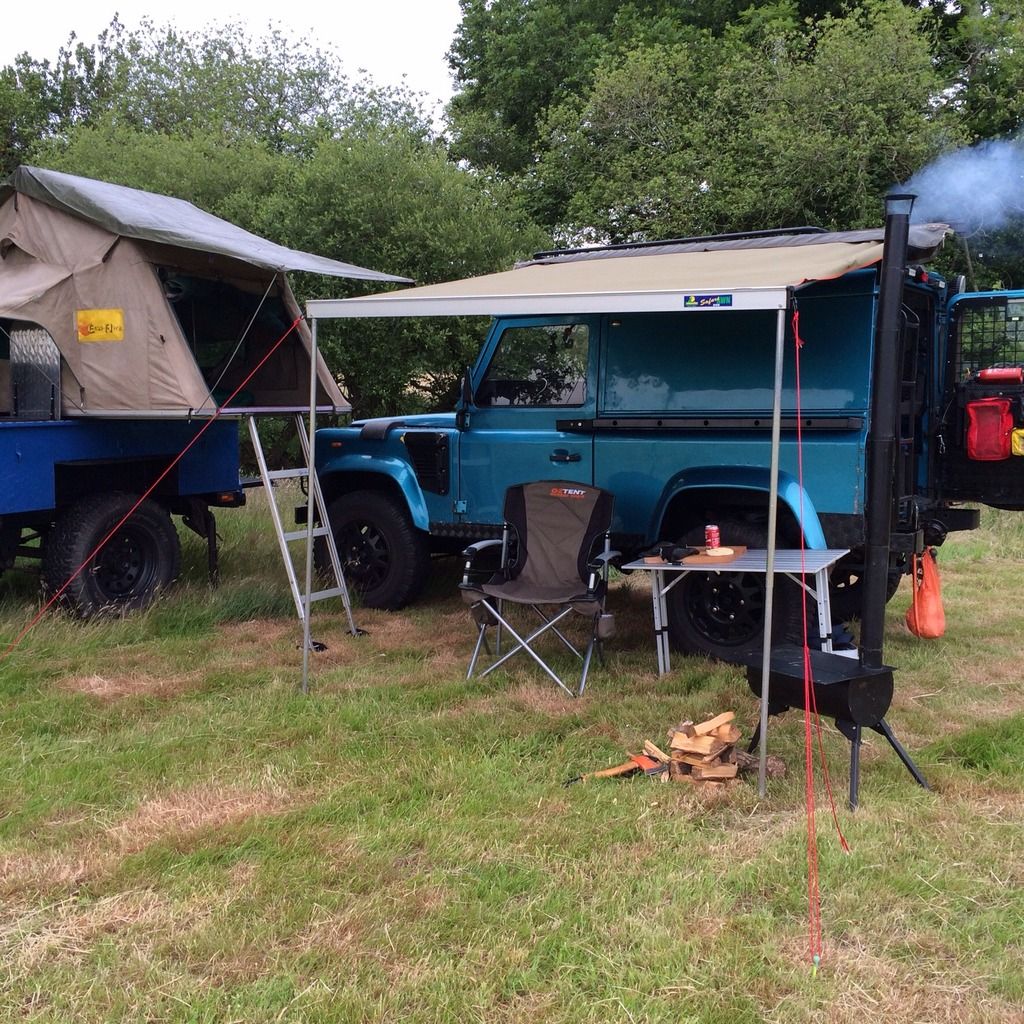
(974, 189)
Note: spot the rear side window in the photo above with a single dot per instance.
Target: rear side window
(538, 366)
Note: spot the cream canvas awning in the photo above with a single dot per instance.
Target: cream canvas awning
(752, 273)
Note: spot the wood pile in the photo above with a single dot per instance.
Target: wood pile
(698, 753)
(701, 752)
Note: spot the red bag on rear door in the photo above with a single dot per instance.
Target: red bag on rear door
(989, 425)
(925, 616)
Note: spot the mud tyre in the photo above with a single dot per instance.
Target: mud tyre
(846, 587)
(721, 615)
(386, 560)
(132, 568)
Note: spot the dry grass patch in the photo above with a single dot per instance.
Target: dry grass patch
(68, 931)
(132, 684)
(875, 981)
(180, 815)
(200, 808)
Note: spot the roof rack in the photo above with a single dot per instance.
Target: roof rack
(731, 237)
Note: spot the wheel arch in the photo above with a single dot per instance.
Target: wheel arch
(389, 476)
(706, 494)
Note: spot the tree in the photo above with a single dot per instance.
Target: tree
(285, 92)
(394, 202)
(767, 124)
(516, 59)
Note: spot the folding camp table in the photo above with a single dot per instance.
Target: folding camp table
(789, 562)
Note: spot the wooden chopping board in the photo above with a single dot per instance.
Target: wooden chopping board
(702, 559)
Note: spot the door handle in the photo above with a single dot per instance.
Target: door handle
(561, 455)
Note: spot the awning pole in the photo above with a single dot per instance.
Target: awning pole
(769, 578)
(310, 510)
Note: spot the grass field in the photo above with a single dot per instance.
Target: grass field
(185, 837)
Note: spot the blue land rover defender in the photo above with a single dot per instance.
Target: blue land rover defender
(671, 411)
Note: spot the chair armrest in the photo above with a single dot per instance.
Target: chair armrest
(472, 575)
(602, 559)
(481, 545)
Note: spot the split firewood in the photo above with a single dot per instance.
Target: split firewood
(686, 728)
(656, 752)
(697, 744)
(727, 733)
(717, 757)
(715, 771)
(713, 723)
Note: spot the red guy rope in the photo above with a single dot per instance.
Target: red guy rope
(810, 703)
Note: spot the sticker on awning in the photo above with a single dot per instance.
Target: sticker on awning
(706, 301)
(100, 324)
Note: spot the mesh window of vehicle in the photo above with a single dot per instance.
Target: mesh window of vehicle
(538, 366)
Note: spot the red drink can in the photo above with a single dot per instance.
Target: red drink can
(712, 536)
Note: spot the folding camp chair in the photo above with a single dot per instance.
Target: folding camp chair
(555, 554)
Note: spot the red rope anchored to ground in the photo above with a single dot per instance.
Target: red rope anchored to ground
(810, 702)
(149, 490)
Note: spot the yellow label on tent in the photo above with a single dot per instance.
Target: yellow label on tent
(100, 324)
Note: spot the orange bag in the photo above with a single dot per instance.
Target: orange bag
(925, 616)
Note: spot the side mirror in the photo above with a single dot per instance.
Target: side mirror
(465, 399)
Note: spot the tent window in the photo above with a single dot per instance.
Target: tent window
(214, 315)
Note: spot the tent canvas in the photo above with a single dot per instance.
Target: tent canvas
(698, 274)
(157, 308)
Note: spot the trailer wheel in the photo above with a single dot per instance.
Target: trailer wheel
(721, 614)
(139, 561)
(386, 560)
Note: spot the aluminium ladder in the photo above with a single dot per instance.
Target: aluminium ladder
(318, 511)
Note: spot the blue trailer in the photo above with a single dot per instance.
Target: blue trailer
(131, 324)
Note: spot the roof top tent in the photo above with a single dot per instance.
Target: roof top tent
(147, 306)
(724, 274)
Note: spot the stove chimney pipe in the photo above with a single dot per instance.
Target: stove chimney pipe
(882, 438)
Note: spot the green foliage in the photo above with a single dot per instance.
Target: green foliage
(763, 125)
(394, 201)
(514, 60)
(223, 82)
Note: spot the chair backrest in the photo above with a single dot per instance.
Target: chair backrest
(557, 523)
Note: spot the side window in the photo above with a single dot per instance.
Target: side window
(545, 365)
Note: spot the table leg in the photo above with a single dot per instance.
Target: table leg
(660, 620)
(824, 609)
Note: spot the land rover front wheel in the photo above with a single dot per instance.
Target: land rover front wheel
(385, 559)
(721, 614)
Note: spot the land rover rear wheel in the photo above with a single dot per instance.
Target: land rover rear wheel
(721, 614)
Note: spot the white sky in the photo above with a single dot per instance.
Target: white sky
(389, 38)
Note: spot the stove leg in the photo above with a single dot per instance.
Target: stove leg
(852, 732)
(883, 728)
